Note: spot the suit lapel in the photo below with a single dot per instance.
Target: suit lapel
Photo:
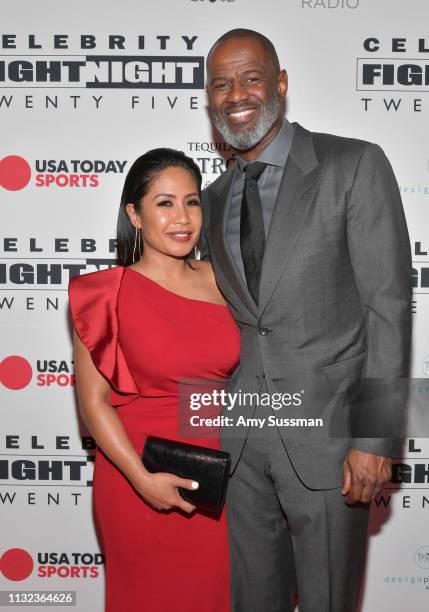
(220, 200)
(297, 189)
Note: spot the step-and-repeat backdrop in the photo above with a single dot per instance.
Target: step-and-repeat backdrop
(85, 88)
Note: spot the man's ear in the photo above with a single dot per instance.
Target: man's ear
(282, 83)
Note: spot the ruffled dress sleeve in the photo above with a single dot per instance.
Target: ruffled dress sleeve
(93, 300)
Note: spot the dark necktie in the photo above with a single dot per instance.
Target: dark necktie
(252, 234)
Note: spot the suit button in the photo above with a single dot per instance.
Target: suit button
(263, 331)
(258, 379)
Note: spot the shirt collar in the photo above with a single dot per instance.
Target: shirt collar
(276, 153)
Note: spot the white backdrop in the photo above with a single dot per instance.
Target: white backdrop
(64, 149)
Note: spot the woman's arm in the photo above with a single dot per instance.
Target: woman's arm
(159, 490)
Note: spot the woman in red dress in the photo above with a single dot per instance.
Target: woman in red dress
(140, 328)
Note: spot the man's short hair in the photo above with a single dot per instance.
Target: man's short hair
(245, 33)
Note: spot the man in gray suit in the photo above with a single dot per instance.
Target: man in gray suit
(307, 236)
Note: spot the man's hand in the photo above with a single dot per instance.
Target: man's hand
(364, 475)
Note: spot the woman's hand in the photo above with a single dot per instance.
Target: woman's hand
(160, 491)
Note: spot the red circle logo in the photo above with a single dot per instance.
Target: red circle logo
(15, 372)
(16, 564)
(15, 172)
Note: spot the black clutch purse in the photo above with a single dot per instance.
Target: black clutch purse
(209, 467)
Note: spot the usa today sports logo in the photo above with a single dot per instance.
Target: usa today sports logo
(16, 172)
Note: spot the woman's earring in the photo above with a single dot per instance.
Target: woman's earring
(140, 241)
(135, 244)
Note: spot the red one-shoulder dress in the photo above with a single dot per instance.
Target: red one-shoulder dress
(145, 339)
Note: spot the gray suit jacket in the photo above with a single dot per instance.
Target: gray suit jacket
(334, 313)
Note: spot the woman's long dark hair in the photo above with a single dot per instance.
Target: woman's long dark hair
(137, 183)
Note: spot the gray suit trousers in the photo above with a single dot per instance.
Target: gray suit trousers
(286, 537)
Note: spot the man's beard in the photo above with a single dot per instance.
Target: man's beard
(246, 140)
